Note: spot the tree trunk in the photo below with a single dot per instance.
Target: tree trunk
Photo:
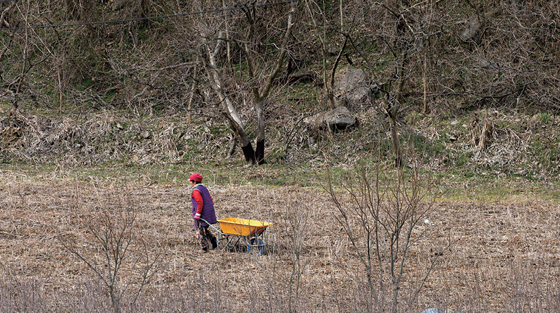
(395, 303)
(392, 108)
(232, 147)
(425, 81)
(237, 127)
(228, 109)
(333, 72)
(191, 95)
(259, 153)
(249, 153)
(261, 96)
(396, 146)
(260, 133)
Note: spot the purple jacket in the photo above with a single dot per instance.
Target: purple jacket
(208, 212)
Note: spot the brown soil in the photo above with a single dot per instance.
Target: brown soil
(500, 252)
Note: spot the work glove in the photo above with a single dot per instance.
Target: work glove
(197, 216)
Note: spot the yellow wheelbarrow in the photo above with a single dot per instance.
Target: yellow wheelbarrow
(241, 231)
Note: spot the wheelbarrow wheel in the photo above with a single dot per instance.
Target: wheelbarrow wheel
(256, 243)
(231, 243)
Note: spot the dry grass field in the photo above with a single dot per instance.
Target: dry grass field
(495, 257)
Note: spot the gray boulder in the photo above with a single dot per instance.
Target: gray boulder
(337, 119)
(472, 30)
(354, 90)
(118, 4)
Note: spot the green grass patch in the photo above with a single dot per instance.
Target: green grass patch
(219, 129)
(436, 148)
(301, 95)
(86, 83)
(413, 117)
(543, 118)
(464, 159)
(451, 186)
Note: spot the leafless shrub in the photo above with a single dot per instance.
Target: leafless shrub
(530, 291)
(20, 296)
(201, 292)
(297, 217)
(116, 253)
(380, 210)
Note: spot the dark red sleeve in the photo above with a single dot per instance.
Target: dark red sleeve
(199, 202)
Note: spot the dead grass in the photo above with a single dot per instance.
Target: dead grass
(505, 256)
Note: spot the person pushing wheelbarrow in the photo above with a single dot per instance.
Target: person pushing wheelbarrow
(203, 212)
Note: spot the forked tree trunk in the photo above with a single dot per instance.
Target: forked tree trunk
(228, 109)
(249, 153)
(238, 129)
(260, 96)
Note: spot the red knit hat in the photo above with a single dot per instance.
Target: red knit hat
(196, 177)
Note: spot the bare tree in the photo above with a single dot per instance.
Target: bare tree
(299, 227)
(379, 209)
(260, 95)
(212, 42)
(125, 262)
(314, 9)
(226, 104)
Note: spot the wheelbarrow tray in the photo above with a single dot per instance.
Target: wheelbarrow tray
(242, 227)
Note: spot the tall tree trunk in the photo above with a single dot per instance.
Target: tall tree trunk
(228, 109)
(260, 96)
(392, 108)
(191, 95)
(395, 139)
(260, 133)
(333, 72)
(425, 81)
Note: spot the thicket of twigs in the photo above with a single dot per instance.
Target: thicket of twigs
(434, 54)
(138, 91)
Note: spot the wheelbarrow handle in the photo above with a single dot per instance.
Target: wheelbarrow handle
(218, 232)
(205, 221)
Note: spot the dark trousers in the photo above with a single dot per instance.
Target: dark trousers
(206, 238)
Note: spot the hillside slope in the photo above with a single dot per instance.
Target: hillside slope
(494, 143)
